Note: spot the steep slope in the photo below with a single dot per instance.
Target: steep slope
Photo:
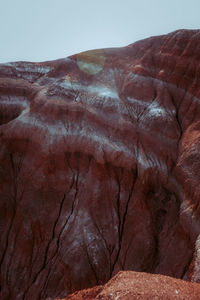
(99, 167)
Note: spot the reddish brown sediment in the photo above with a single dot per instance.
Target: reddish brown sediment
(129, 285)
(99, 167)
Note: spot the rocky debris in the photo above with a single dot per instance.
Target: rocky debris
(131, 285)
(99, 167)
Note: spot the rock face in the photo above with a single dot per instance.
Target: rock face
(132, 285)
(100, 167)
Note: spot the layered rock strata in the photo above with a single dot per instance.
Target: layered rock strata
(99, 167)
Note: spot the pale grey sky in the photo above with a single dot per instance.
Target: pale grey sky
(39, 30)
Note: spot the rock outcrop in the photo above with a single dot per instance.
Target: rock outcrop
(129, 285)
(99, 167)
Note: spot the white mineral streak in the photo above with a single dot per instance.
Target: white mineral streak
(102, 143)
(9, 101)
(29, 67)
(138, 102)
(155, 110)
(96, 96)
(79, 134)
(147, 160)
(99, 90)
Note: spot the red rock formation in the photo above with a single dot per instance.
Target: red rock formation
(99, 167)
(132, 285)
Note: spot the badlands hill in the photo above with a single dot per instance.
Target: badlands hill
(100, 167)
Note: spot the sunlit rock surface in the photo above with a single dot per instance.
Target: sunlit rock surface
(100, 167)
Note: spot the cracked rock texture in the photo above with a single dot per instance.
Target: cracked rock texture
(100, 167)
